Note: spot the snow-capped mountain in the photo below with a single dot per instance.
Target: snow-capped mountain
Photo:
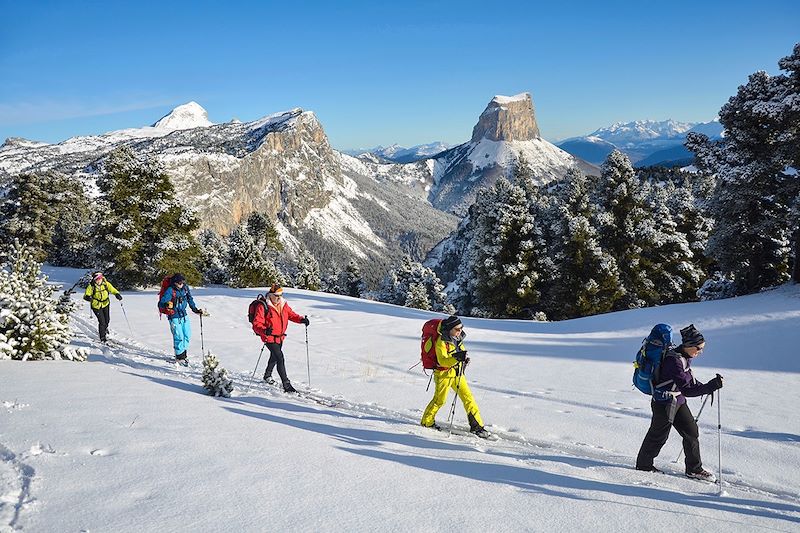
(506, 132)
(185, 117)
(398, 154)
(281, 164)
(646, 142)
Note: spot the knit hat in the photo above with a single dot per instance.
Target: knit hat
(450, 322)
(690, 336)
(177, 278)
(276, 289)
(97, 275)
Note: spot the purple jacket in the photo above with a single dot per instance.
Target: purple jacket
(675, 376)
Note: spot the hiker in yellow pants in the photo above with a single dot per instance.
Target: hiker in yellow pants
(451, 358)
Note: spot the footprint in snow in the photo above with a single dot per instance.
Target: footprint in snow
(99, 452)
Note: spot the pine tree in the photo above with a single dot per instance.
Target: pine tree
(33, 325)
(417, 297)
(586, 277)
(307, 272)
(215, 377)
(626, 228)
(351, 281)
(755, 203)
(246, 265)
(49, 213)
(146, 231)
(503, 258)
(396, 287)
(666, 254)
(213, 254)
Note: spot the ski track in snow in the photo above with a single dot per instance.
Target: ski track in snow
(598, 465)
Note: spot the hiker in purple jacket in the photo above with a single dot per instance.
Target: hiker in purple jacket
(675, 378)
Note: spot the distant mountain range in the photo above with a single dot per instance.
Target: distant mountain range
(340, 207)
(398, 154)
(646, 142)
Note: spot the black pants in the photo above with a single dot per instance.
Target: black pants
(103, 318)
(276, 358)
(659, 432)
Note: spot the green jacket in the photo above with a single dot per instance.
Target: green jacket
(98, 295)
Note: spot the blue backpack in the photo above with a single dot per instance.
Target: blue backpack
(649, 357)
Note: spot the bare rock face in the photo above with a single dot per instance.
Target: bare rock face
(507, 118)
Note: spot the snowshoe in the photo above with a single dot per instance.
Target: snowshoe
(481, 432)
(435, 426)
(182, 359)
(287, 387)
(702, 474)
(269, 381)
(651, 469)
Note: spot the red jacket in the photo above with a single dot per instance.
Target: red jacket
(271, 326)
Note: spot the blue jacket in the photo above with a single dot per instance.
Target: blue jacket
(180, 298)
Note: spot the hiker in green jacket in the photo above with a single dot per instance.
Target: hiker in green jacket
(98, 294)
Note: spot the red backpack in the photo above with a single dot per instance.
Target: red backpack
(430, 331)
(165, 284)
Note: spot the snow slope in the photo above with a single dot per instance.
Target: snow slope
(127, 442)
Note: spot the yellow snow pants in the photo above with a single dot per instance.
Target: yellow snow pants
(444, 380)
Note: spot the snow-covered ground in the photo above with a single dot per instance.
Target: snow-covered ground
(129, 442)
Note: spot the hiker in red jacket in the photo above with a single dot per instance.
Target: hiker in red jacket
(270, 324)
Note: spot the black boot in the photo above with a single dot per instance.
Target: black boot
(287, 387)
(269, 379)
(476, 428)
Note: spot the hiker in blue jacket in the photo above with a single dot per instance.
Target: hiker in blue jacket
(173, 303)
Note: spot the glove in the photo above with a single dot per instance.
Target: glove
(715, 383)
(305, 320)
(87, 297)
(460, 356)
(460, 369)
(118, 296)
(197, 311)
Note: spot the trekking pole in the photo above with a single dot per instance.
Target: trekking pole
(126, 318)
(696, 418)
(719, 439)
(256, 368)
(460, 370)
(308, 360)
(202, 344)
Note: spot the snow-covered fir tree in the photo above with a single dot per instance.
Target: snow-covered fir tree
(397, 287)
(213, 257)
(329, 282)
(49, 213)
(716, 287)
(501, 271)
(626, 227)
(33, 325)
(308, 276)
(215, 377)
(146, 231)
(253, 249)
(417, 297)
(666, 254)
(757, 232)
(586, 278)
(350, 281)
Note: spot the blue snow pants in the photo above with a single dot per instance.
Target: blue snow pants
(181, 330)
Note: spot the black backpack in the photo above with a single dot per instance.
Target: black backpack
(260, 300)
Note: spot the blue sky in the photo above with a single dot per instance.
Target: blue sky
(379, 73)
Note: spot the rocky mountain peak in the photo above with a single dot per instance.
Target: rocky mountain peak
(507, 118)
(184, 117)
